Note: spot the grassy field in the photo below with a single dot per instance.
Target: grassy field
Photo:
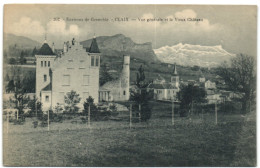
(195, 142)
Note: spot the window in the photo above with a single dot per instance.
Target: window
(44, 78)
(45, 62)
(66, 80)
(49, 63)
(97, 61)
(85, 80)
(124, 92)
(46, 98)
(41, 63)
(92, 60)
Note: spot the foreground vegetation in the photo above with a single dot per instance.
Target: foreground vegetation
(190, 142)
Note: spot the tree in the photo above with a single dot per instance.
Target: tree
(240, 76)
(190, 95)
(34, 51)
(140, 78)
(71, 101)
(29, 82)
(10, 86)
(12, 61)
(20, 97)
(104, 75)
(93, 108)
(33, 104)
(22, 58)
(141, 97)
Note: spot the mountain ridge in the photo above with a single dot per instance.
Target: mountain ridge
(20, 41)
(191, 55)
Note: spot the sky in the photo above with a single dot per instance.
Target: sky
(232, 27)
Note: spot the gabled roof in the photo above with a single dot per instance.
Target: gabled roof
(48, 87)
(45, 50)
(94, 47)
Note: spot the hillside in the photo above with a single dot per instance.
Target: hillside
(19, 41)
(119, 44)
(190, 55)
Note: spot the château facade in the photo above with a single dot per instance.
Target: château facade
(75, 69)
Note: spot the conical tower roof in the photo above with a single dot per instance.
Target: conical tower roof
(175, 71)
(45, 50)
(94, 46)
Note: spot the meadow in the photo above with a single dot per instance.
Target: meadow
(189, 142)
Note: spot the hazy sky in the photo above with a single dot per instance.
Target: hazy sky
(233, 27)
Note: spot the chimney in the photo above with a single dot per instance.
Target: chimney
(53, 48)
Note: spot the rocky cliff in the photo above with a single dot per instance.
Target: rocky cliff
(119, 44)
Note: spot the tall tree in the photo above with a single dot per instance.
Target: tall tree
(240, 76)
(141, 97)
(93, 108)
(140, 78)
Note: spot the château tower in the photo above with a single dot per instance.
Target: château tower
(44, 61)
(125, 79)
(175, 77)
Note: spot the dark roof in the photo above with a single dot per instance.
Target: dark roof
(161, 86)
(94, 47)
(47, 88)
(45, 50)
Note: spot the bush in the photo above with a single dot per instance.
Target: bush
(44, 124)
(12, 61)
(20, 121)
(84, 120)
(57, 118)
(35, 124)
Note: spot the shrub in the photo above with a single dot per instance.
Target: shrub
(20, 121)
(44, 123)
(35, 124)
(71, 101)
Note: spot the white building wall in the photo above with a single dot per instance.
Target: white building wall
(76, 63)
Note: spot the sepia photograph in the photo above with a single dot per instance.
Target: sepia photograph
(95, 85)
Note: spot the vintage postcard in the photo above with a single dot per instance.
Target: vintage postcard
(129, 85)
